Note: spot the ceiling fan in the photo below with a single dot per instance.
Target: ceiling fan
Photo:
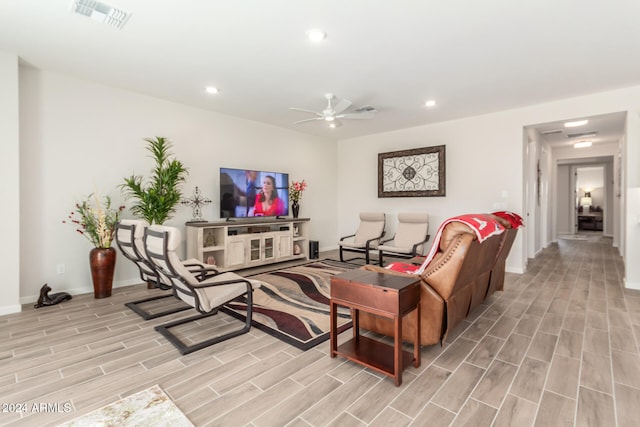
(333, 112)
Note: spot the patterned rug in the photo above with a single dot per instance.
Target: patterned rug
(150, 407)
(293, 303)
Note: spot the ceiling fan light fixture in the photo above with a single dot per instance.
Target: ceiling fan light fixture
(576, 123)
(316, 35)
(329, 118)
(582, 144)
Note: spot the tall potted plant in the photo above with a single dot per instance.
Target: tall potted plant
(155, 199)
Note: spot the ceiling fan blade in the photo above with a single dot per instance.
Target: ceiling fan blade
(308, 120)
(341, 106)
(305, 111)
(350, 116)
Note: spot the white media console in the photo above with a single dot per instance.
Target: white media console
(243, 243)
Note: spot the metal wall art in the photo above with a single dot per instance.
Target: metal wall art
(418, 172)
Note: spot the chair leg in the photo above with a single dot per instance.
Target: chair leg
(380, 260)
(133, 305)
(186, 349)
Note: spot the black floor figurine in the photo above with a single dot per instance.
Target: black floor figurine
(53, 299)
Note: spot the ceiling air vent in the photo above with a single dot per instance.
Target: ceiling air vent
(583, 135)
(551, 132)
(366, 109)
(101, 12)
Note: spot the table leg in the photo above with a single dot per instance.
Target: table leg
(416, 338)
(397, 350)
(355, 318)
(333, 331)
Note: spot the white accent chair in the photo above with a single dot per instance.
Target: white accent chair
(206, 295)
(129, 236)
(409, 239)
(367, 237)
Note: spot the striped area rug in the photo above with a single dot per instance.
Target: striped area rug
(293, 303)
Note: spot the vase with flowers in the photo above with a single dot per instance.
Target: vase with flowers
(295, 194)
(96, 220)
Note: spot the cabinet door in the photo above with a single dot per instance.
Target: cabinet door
(285, 246)
(268, 247)
(235, 252)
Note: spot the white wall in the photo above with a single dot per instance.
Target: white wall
(564, 225)
(10, 188)
(483, 168)
(79, 137)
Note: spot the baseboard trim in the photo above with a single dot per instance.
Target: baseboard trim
(632, 285)
(10, 309)
(31, 299)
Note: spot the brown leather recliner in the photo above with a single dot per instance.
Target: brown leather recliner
(462, 274)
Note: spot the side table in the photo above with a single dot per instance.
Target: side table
(385, 295)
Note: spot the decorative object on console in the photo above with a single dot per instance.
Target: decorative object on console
(418, 172)
(156, 200)
(97, 223)
(295, 194)
(45, 299)
(196, 202)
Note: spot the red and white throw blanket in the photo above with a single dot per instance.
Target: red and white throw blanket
(484, 225)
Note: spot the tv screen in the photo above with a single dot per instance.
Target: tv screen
(253, 193)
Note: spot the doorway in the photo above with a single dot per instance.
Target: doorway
(590, 197)
(550, 191)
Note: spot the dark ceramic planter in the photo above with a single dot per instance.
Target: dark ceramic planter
(103, 264)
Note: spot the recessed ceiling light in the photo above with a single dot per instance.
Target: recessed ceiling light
(316, 35)
(430, 103)
(101, 12)
(576, 123)
(332, 125)
(212, 89)
(582, 144)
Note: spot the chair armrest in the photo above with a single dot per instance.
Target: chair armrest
(207, 284)
(203, 273)
(415, 246)
(345, 237)
(388, 240)
(368, 244)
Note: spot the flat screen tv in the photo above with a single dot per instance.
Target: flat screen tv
(246, 193)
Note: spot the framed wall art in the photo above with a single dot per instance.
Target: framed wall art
(419, 172)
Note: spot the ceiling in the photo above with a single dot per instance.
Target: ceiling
(600, 129)
(472, 57)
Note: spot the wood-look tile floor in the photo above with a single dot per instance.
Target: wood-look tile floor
(559, 346)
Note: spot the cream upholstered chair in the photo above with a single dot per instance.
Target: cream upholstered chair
(206, 295)
(367, 238)
(129, 235)
(408, 241)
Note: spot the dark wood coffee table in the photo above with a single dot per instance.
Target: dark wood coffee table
(385, 295)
